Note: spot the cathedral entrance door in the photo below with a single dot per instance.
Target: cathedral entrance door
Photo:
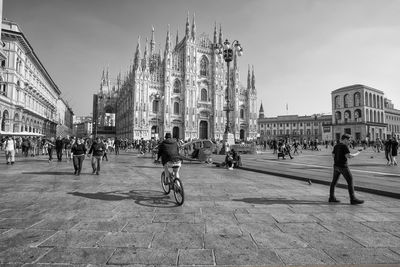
(241, 134)
(203, 130)
(175, 132)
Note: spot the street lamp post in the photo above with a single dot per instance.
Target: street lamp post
(157, 97)
(227, 51)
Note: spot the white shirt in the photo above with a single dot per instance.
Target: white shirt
(9, 145)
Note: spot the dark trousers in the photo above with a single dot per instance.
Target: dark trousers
(59, 154)
(50, 151)
(78, 161)
(116, 150)
(345, 171)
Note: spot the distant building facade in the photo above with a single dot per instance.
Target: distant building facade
(358, 110)
(65, 118)
(313, 127)
(3, 55)
(82, 126)
(28, 95)
(392, 119)
(184, 91)
(105, 107)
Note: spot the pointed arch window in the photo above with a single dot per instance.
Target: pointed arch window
(204, 66)
(177, 86)
(203, 95)
(241, 113)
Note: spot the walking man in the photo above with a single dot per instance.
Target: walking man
(9, 148)
(97, 149)
(340, 155)
(78, 151)
(59, 148)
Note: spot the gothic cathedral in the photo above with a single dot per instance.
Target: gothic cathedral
(183, 91)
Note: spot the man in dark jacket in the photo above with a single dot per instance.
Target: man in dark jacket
(340, 155)
(59, 148)
(97, 149)
(169, 152)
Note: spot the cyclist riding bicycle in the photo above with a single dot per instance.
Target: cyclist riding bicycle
(168, 150)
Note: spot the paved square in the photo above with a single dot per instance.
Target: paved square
(235, 218)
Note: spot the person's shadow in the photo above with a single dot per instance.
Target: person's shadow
(149, 198)
(272, 201)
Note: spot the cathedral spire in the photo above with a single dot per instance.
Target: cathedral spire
(215, 32)
(187, 32)
(168, 41)
(137, 54)
(146, 53)
(194, 28)
(152, 42)
(177, 38)
(253, 80)
(107, 74)
(220, 34)
(103, 77)
(248, 78)
(261, 112)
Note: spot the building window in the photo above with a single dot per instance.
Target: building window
(337, 101)
(347, 116)
(204, 95)
(3, 90)
(204, 66)
(241, 113)
(357, 99)
(346, 101)
(177, 86)
(338, 116)
(155, 106)
(176, 108)
(357, 115)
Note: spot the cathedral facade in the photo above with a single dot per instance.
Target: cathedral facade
(183, 91)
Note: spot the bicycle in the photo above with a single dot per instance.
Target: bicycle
(172, 182)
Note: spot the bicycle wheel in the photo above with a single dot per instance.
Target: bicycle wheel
(164, 184)
(178, 192)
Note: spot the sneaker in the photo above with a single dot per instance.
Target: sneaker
(94, 172)
(75, 172)
(97, 173)
(8, 163)
(230, 168)
(12, 162)
(356, 201)
(334, 200)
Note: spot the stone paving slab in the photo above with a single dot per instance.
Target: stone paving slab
(229, 218)
(94, 256)
(363, 255)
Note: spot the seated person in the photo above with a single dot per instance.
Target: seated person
(195, 153)
(237, 162)
(229, 160)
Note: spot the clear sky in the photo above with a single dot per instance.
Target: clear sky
(301, 49)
